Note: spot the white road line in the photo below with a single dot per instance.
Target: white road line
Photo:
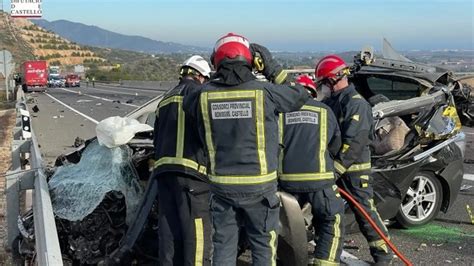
(469, 177)
(128, 89)
(99, 98)
(72, 109)
(118, 92)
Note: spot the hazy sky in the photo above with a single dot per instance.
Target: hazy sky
(297, 25)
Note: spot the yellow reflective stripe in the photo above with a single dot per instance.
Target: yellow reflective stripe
(374, 209)
(180, 131)
(356, 117)
(281, 77)
(307, 176)
(320, 262)
(273, 238)
(345, 148)
(322, 141)
(311, 108)
(198, 259)
(339, 167)
(221, 95)
(365, 177)
(243, 180)
(357, 96)
(172, 99)
(181, 161)
(260, 119)
(207, 128)
(336, 191)
(335, 240)
(359, 167)
(353, 168)
(280, 136)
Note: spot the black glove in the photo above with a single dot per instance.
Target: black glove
(271, 69)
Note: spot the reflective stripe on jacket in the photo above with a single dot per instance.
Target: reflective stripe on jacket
(176, 140)
(239, 126)
(310, 138)
(356, 122)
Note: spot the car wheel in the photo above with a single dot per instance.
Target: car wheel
(422, 201)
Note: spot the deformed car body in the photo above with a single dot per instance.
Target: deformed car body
(412, 182)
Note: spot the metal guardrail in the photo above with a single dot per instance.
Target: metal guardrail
(19, 179)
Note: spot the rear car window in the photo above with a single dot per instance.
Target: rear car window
(393, 89)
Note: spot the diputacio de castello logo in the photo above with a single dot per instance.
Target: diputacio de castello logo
(26, 8)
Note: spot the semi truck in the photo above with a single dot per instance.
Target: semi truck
(34, 75)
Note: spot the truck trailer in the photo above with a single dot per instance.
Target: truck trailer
(34, 75)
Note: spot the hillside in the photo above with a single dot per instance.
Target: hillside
(11, 40)
(95, 36)
(26, 41)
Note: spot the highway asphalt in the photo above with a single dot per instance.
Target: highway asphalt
(67, 113)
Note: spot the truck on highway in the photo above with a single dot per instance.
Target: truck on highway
(34, 75)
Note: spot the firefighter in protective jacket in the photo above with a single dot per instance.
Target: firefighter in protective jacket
(311, 138)
(183, 191)
(353, 160)
(238, 122)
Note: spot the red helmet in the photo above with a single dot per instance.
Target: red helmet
(232, 46)
(306, 81)
(329, 66)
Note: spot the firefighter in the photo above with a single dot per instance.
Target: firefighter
(311, 138)
(238, 121)
(353, 160)
(183, 191)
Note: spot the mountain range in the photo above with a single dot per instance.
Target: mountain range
(96, 36)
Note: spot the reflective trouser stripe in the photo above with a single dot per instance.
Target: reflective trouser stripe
(198, 259)
(273, 238)
(281, 151)
(307, 176)
(335, 240)
(353, 168)
(182, 162)
(374, 209)
(379, 244)
(242, 180)
(259, 120)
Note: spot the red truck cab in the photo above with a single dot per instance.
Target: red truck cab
(73, 80)
(35, 75)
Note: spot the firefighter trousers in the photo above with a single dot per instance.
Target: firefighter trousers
(257, 216)
(184, 221)
(327, 208)
(359, 184)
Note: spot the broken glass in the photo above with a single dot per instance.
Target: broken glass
(77, 189)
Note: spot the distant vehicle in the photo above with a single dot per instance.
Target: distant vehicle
(35, 76)
(55, 81)
(73, 80)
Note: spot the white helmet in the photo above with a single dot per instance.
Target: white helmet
(199, 64)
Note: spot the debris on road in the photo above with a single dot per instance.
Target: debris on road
(55, 117)
(116, 101)
(465, 188)
(83, 101)
(129, 101)
(469, 161)
(421, 247)
(98, 104)
(78, 142)
(35, 109)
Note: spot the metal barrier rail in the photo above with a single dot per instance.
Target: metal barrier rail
(18, 179)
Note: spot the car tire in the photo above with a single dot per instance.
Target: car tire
(422, 201)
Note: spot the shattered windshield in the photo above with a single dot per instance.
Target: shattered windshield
(77, 189)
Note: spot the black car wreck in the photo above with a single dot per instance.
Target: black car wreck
(417, 171)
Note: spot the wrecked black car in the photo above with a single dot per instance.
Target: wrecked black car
(107, 213)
